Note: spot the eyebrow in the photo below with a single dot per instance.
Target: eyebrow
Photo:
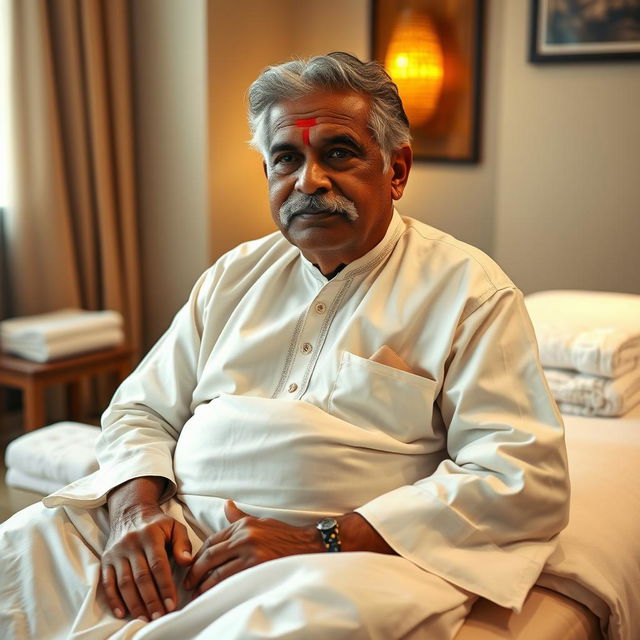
(282, 146)
(343, 139)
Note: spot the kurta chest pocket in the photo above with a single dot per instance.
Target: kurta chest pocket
(375, 396)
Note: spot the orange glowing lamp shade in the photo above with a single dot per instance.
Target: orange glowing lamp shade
(414, 61)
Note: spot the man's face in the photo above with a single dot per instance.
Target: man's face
(328, 192)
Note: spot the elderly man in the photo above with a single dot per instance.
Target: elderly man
(356, 382)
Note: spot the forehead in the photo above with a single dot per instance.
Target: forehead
(344, 109)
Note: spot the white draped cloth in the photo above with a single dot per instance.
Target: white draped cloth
(406, 388)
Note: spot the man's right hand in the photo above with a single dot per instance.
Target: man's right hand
(136, 569)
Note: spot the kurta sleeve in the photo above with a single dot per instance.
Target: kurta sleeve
(141, 426)
(485, 520)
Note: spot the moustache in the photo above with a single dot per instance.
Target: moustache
(298, 203)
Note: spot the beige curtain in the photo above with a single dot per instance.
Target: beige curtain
(71, 225)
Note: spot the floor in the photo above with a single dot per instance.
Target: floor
(12, 500)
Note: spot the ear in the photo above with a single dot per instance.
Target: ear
(401, 162)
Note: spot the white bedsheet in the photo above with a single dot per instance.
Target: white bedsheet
(597, 561)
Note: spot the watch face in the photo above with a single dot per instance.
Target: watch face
(326, 523)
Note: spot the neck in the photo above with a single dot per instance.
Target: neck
(333, 273)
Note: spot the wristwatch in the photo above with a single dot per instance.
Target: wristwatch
(328, 528)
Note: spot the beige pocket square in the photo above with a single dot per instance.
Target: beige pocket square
(387, 356)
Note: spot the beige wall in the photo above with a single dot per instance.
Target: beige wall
(170, 97)
(243, 37)
(568, 188)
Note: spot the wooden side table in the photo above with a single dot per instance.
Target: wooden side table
(34, 377)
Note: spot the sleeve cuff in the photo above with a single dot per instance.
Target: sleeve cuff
(432, 535)
(91, 491)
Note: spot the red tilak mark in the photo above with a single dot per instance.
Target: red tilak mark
(305, 124)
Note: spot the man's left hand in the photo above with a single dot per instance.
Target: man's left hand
(248, 541)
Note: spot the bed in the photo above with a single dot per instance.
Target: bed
(590, 588)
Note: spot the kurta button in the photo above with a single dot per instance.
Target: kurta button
(321, 307)
(293, 387)
(307, 348)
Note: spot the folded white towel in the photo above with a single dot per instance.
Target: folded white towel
(68, 346)
(582, 394)
(61, 452)
(21, 480)
(60, 334)
(588, 331)
(59, 324)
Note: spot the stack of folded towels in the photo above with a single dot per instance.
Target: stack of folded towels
(50, 458)
(61, 334)
(590, 349)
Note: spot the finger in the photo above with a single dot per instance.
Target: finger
(220, 573)
(129, 591)
(162, 575)
(114, 600)
(208, 559)
(211, 541)
(146, 585)
(232, 512)
(181, 545)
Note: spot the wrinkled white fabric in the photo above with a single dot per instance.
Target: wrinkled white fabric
(407, 387)
(313, 596)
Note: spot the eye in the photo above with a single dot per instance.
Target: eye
(285, 162)
(340, 154)
(284, 158)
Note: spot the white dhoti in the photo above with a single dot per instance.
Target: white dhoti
(50, 567)
(294, 462)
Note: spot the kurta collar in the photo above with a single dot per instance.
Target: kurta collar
(370, 259)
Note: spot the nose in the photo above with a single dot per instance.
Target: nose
(312, 177)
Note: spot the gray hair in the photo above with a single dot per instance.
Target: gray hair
(337, 71)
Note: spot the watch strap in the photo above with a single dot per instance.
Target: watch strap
(330, 532)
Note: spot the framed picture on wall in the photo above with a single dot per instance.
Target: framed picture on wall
(433, 51)
(584, 30)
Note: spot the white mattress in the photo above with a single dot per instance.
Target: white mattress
(598, 559)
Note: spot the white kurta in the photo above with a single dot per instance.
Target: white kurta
(407, 388)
